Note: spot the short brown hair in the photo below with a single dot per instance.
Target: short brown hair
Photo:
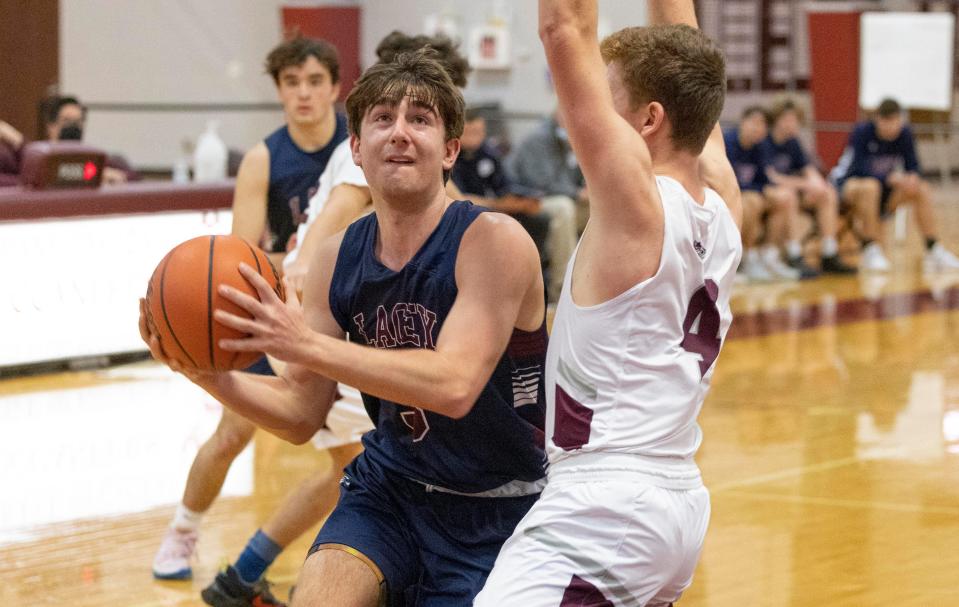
(296, 50)
(888, 107)
(755, 109)
(417, 75)
(677, 66)
(447, 52)
(783, 106)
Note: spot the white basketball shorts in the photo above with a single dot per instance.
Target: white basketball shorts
(602, 539)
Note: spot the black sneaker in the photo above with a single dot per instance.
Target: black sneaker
(228, 590)
(834, 265)
(805, 270)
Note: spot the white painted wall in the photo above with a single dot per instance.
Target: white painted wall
(169, 51)
(211, 51)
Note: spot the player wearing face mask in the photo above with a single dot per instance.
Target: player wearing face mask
(66, 120)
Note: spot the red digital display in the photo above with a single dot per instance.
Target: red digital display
(89, 171)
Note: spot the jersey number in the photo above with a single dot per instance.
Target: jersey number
(701, 327)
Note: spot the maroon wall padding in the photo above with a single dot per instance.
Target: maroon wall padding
(18, 204)
(340, 26)
(834, 78)
(30, 50)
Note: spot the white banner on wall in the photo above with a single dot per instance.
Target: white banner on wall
(73, 284)
(907, 56)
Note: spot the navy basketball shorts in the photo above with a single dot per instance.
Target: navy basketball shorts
(432, 548)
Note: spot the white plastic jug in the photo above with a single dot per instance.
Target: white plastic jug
(210, 156)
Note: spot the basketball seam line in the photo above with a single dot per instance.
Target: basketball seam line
(166, 318)
(209, 302)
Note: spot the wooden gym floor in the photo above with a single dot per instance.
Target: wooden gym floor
(831, 450)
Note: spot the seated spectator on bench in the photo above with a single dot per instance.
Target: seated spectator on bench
(878, 172)
(790, 169)
(747, 156)
(544, 161)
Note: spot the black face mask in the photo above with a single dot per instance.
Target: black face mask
(71, 131)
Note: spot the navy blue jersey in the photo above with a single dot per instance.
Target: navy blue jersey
(294, 176)
(749, 165)
(787, 157)
(501, 439)
(867, 155)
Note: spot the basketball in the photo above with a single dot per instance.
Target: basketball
(182, 295)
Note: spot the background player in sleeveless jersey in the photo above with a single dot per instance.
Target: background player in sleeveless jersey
(444, 309)
(641, 318)
(275, 182)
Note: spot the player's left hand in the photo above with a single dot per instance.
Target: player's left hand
(277, 328)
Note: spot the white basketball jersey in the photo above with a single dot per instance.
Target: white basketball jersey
(629, 376)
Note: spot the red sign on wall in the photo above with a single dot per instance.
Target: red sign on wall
(339, 25)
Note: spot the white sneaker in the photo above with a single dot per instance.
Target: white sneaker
(873, 259)
(939, 259)
(777, 267)
(172, 561)
(753, 268)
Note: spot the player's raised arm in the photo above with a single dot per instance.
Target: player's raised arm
(714, 165)
(671, 12)
(613, 156)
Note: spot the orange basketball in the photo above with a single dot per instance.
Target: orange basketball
(182, 296)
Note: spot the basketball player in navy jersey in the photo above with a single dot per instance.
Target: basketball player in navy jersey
(641, 318)
(443, 306)
(273, 188)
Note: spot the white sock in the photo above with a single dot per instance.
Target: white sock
(793, 249)
(829, 246)
(186, 519)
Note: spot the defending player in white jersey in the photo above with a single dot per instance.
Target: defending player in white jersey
(641, 319)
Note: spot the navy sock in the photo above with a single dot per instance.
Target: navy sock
(259, 554)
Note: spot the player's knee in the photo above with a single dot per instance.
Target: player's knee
(336, 577)
(752, 202)
(783, 198)
(230, 440)
(870, 187)
(826, 199)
